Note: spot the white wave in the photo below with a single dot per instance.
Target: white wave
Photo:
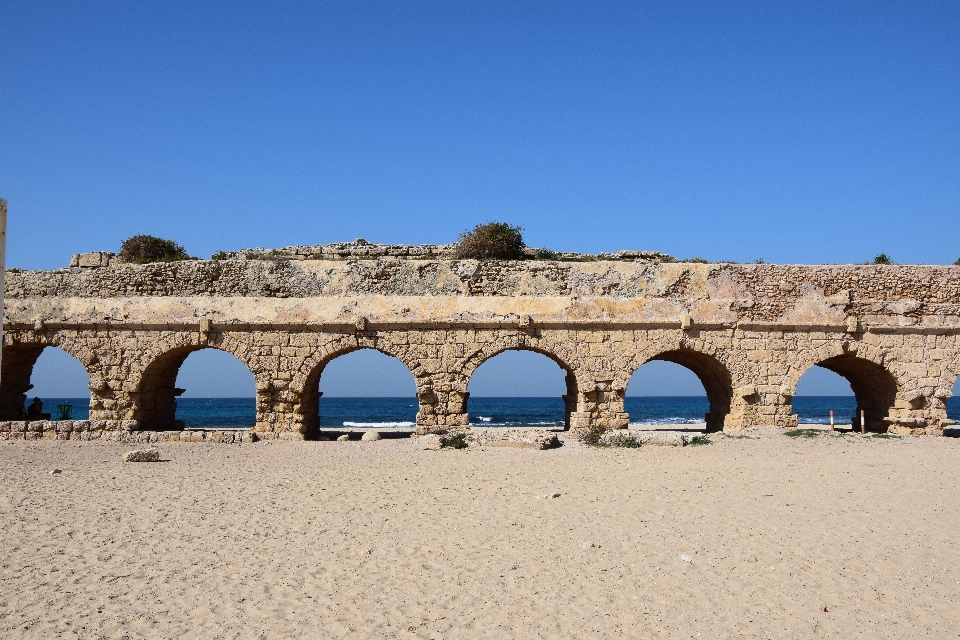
(483, 419)
(377, 424)
(675, 420)
(517, 424)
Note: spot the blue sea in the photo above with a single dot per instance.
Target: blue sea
(208, 413)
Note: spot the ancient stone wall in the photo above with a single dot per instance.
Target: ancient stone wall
(748, 332)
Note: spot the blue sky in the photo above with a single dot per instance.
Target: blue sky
(798, 132)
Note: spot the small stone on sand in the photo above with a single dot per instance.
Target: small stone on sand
(370, 436)
(343, 438)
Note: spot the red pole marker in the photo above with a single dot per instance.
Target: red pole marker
(831, 422)
(863, 423)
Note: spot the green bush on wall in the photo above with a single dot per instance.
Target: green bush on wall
(491, 241)
(143, 249)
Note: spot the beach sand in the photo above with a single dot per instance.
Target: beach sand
(773, 537)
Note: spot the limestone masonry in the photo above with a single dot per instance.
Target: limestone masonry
(748, 331)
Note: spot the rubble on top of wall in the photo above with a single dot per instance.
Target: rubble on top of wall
(93, 259)
(360, 249)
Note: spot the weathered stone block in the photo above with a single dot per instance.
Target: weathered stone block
(142, 455)
(538, 439)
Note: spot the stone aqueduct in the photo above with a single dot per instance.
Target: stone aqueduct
(748, 332)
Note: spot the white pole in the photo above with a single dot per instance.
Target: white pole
(3, 265)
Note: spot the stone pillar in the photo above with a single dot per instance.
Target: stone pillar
(918, 413)
(599, 404)
(428, 400)
(442, 401)
(3, 272)
(569, 400)
(283, 413)
(755, 406)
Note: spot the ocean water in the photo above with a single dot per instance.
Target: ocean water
(240, 413)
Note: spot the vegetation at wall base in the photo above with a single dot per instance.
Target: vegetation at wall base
(144, 249)
(700, 440)
(456, 441)
(589, 435)
(491, 241)
(803, 433)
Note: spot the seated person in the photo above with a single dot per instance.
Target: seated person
(23, 412)
(35, 412)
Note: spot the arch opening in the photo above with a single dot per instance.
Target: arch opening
(820, 391)
(215, 390)
(45, 372)
(665, 393)
(953, 406)
(362, 388)
(711, 401)
(521, 387)
(873, 390)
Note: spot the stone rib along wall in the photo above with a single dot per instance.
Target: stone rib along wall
(115, 431)
(748, 331)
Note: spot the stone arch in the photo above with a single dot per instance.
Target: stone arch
(312, 366)
(17, 365)
(570, 398)
(306, 386)
(712, 372)
(556, 352)
(154, 399)
(867, 369)
(949, 376)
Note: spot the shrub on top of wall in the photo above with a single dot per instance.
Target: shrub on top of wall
(545, 254)
(143, 249)
(491, 241)
(882, 258)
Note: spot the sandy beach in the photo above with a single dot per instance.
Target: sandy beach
(764, 537)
